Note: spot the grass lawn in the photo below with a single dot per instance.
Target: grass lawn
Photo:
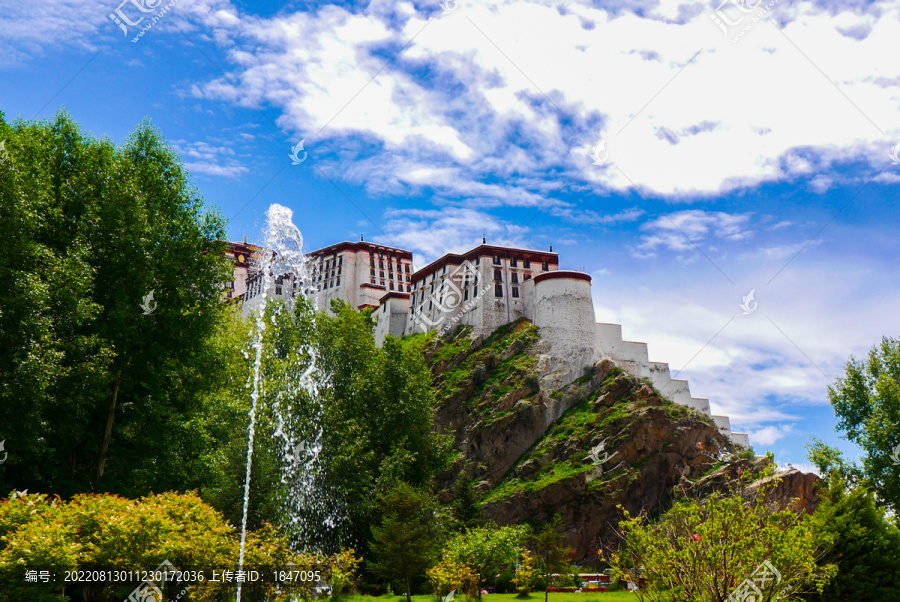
(535, 597)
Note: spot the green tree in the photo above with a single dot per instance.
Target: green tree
(866, 545)
(866, 401)
(704, 551)
(548, 545)
(95, 394)
(487, 550)
(378, 407)
(405, 543)
(466, 511)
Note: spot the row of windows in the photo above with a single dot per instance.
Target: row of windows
(390, 275)
(390, 265)
(498, 292)
(329, 284)
(390, 284)
(329, 264)
(513, 262)
(325, 275)
(514, 277)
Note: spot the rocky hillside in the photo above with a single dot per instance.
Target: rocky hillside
(537, 449)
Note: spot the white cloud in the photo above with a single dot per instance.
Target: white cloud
(496, 97)
(768, 435)
(682, 230)
(738, 115)
(431, 233)
(28, 28)
(215, 159)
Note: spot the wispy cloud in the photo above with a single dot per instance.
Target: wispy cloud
(210, 159)
(681, 230)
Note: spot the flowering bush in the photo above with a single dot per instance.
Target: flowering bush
(449, 575)
(39, 532)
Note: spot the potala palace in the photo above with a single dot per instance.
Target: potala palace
(484, 288)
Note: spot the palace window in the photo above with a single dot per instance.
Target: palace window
(515, 279)
(498, 276)
(515, 291)
(527, 277)
(392, 286)
(513, 262)
(478, 260)
(498, 290)
(526, 263)
(496, 260)
(545, 266)
(339, 281)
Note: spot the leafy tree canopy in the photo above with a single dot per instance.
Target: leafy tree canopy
(866, 401)
(98, 392)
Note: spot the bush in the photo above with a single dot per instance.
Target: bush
(539, 585)
(504, 583)
(38, 532)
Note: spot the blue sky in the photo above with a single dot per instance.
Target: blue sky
(730, 161)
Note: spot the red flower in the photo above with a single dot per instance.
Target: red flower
(695, 537)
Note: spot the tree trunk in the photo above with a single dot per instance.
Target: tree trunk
(110, 415)
(408, 597)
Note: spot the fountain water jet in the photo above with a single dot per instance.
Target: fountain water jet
(282, 259)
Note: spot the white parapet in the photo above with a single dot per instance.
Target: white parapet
(679, 391)
(609, 340)
(701, 404)
(723, 423)
(741, 440)
(659, 374)
(391, 316)
(635, 358)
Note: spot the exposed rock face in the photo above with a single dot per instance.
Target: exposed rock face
(580, 451)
